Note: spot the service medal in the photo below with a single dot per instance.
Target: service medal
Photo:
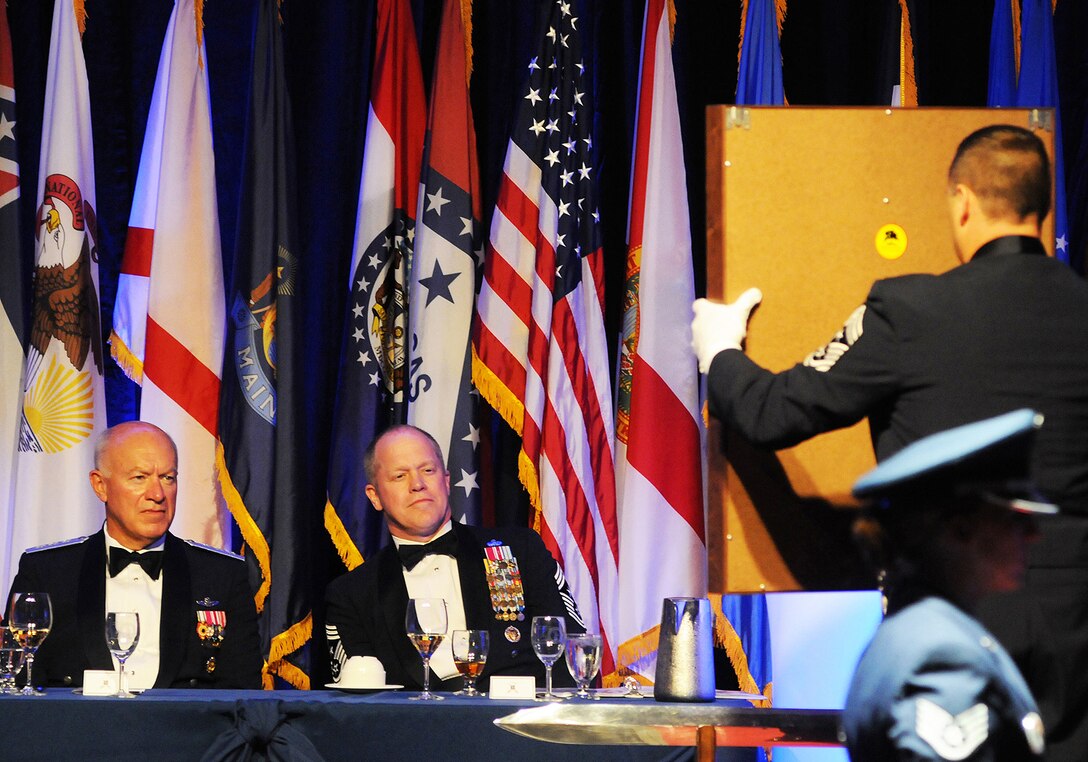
(504, 583)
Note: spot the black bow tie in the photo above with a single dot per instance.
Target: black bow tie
(151, 561)
(410, 555)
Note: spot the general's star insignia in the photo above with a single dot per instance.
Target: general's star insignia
(952, 737)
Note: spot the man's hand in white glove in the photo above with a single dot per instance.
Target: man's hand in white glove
(718, 327)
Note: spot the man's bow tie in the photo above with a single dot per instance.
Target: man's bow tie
(410, 555)
(150, 561)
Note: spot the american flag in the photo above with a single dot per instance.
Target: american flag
(540, 356)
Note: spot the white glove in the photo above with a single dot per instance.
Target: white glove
(718, 327)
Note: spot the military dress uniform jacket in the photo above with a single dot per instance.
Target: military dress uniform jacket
(365, 610)
(925, 353)
(934, 684)
(194, 577)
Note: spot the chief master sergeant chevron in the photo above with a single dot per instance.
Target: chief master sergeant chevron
(135, 564)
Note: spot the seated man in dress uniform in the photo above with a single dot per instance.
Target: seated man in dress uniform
(181, 589)
(950, 522)
(491, 579)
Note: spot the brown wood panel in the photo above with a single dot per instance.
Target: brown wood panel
(796, 199)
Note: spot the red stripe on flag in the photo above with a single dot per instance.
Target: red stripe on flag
(521, 210)
(498, 359)
(137, 258)
(596, 428)
(181, 376)
(578, 516)
(508, 285)
(670, 421)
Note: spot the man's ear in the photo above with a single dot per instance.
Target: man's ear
(373, 495)
(965, 204)
(98, 484)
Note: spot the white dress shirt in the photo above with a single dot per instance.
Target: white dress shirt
(133, 590)
(436, 576)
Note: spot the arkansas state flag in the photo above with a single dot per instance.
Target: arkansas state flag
(442, 296)
(169, 315)
(63, 400)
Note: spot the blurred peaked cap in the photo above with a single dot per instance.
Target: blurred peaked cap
(989, 459)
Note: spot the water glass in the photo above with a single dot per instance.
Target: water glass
(549, 637)
(584, 661)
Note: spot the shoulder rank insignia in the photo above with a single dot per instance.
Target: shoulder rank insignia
(951, 736)
(504, 582)
(214, 549)
(61, 544)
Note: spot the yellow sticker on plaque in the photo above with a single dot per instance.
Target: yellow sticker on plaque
(891, 241)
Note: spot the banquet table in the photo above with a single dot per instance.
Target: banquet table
(297, 725)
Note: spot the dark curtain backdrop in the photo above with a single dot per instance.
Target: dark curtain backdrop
(835, 52)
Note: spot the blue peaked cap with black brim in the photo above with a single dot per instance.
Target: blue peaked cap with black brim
(988, 459)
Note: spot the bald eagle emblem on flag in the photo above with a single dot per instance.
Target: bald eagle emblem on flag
(58, 409)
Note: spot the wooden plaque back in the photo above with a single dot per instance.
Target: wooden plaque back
(795, 200)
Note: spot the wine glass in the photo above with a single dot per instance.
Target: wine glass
(11, 661)
(469, 656)
(584, 660)
(122, 635)
(549, 635)
(29, 620)
(425, 623)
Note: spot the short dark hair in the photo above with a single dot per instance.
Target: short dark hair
(370, 456)
(1008, 168)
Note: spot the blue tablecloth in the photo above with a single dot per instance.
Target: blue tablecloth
(294, 725)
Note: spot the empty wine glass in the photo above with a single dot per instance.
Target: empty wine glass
(122, 635)
(584, 660)
(549, 637)
(29, 620)
(11, 661)
(425, 623)
(469, 656)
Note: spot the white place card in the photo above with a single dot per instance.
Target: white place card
(99, 682)
(512, 687)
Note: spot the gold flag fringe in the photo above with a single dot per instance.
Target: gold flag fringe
(634, 653)
(80, 9)
(251, 533)
(670, 7)
(198, 17)
(345, 546)
(283, 645)
(131, 365)
(726, 637)
(908, 83)
(466, 27)
(1016, 35)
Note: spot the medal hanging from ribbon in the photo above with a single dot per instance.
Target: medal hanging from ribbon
(210, 628)
(504, 582)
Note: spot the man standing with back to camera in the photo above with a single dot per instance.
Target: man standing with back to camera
(1007, 329)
